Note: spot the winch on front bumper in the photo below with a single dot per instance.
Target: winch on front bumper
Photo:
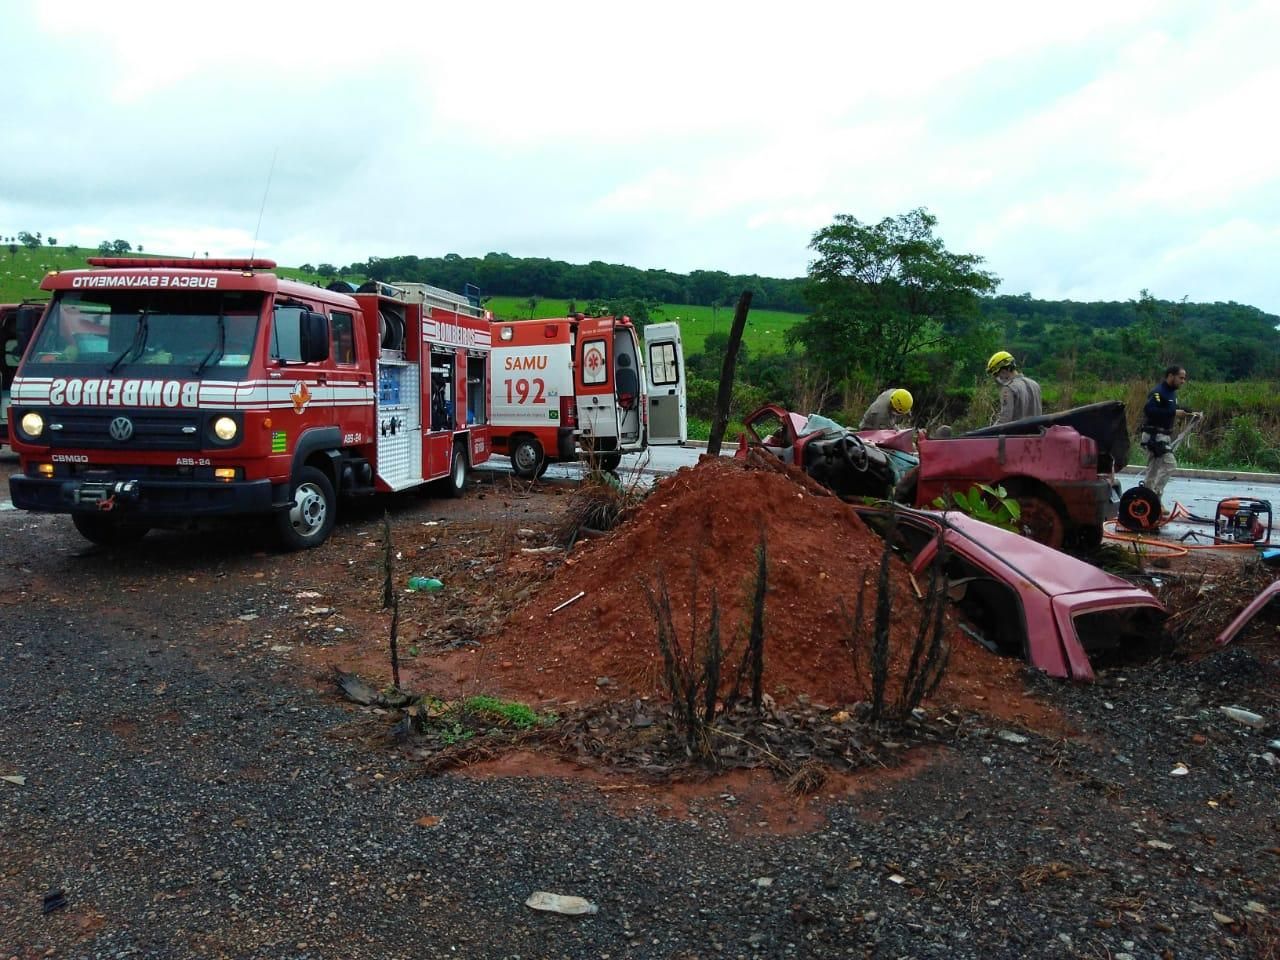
(145, 497)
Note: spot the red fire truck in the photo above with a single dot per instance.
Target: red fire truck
(12, 317)
(159, 393)
(584, 386)
(8, 361)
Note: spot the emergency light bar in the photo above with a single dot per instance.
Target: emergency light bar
(119, 263)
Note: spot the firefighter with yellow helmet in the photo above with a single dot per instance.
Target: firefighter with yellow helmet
(887, 411)
(1019, 394)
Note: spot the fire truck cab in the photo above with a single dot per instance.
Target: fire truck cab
(584, 387)
(160, 393)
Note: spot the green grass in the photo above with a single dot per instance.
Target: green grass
(765, 332)
(22, 271)
(506, 713)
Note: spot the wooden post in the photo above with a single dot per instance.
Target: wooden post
(720, 420)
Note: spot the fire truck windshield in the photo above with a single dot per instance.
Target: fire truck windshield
(210, 333)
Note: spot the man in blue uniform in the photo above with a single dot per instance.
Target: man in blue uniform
(1158, 417)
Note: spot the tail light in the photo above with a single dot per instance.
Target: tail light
(568, 411)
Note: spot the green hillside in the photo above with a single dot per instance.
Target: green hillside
(765, 331)
(22, 270)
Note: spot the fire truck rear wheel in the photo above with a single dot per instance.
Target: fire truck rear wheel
(312, 511)
(107, 531)
(457, 482)
(527, 458)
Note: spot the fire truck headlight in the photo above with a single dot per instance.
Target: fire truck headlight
(32, 424)
(224, 428)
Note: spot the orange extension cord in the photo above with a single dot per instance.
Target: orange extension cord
(1178, 512)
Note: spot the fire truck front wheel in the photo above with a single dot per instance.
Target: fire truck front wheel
(528, 459)
(108, 531)
(312, 511)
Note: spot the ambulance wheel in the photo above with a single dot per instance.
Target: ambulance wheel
(456, 485)
(311, 514)
(527, 459)
(610, 461)
(108, 531)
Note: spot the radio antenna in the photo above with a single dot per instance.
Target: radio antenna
(270, 170)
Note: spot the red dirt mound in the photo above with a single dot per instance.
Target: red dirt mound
(701, 527)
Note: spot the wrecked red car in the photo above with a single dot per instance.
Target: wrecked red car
(1060, 468)
(1021, 598)
(1264, 600)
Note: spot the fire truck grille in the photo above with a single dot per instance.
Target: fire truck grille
(145, 430)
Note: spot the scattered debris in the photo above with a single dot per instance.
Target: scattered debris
(357, 691)
(1247, 717)
(576, 597)
(54, 900)
(16, 779)
(558, 903)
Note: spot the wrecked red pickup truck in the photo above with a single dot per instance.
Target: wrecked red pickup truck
(1020, 598)
(1060, 468)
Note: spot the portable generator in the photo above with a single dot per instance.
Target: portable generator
(1240, 520)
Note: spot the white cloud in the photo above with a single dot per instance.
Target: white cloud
(1091, 149)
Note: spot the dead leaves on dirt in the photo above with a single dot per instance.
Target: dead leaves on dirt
(801, 745)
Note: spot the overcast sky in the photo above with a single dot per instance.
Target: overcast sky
(1086, 150)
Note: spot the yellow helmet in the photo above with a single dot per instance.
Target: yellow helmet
(999, 361)
(900, 400)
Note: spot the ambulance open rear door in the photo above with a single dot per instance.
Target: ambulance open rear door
(665, 384)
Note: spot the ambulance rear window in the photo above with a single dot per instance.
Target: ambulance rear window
(662, 364)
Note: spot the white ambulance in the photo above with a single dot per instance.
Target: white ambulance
(581, 387)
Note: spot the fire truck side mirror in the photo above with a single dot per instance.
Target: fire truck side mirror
(25, 325)
(313, 336)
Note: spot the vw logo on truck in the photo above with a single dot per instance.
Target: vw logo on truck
(121, 429)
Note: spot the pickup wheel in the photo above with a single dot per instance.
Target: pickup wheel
(1088, 539)
(527, 459)
(313, 509)
(1041, 520)
(108, 531)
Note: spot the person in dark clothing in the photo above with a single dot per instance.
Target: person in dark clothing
(1158, 417)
